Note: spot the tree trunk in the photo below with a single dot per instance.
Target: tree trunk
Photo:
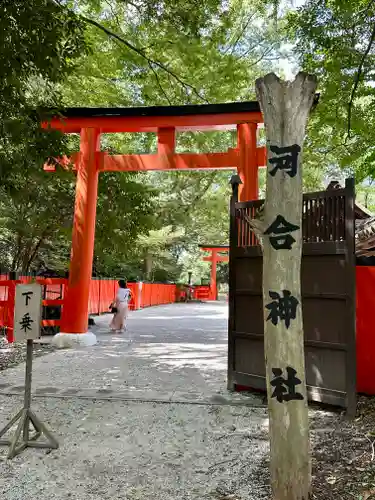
(26, 253)
(285, 107)
(35, 252)
(148, 266)
(17, 252)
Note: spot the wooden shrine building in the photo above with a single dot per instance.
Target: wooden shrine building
(338, 297)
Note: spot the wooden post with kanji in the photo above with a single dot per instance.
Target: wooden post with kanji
(286, 107)
(27, 320)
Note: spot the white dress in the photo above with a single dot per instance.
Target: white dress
(122, 299)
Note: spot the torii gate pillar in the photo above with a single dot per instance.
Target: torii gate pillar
(74, 321)
(213, 284)
(248, 161)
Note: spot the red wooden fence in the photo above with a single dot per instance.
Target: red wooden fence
(102, 293)
(52, 296)
(365, 329)
(153, 294)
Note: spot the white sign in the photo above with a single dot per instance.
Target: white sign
(27, 312)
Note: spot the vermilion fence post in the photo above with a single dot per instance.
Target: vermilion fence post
(133, 290)
(140, 292)
(136, 289)
(138, 295)
(99, 295)
(10, 310)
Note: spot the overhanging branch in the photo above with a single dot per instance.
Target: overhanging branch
(159, 84)
(142, 53)
(357, 78)
(232, 47)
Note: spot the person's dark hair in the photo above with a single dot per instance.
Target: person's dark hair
(122, 283)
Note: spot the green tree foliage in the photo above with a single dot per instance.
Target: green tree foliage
(122, 53)
(40, 41)
(335, 40)
(169, 53)
(36, 212)
(195, 205)
(125, 211)
(36, 221)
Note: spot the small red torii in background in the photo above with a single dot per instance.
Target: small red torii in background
(216, 256)
(165, 121)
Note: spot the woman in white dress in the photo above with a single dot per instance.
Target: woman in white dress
(121, 304)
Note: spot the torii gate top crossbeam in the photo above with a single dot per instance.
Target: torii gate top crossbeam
(165, 121)
(150, 119)
(216, 252)
(219, 248)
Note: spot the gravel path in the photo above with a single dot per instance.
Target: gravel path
(14, 354)
(153, 419)
(177, 352)
(140, 451)
(213, 446)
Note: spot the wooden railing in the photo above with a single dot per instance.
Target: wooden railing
(323, 218)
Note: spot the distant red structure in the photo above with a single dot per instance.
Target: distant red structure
(215, 257)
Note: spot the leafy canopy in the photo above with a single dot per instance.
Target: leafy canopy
(40, 41)
(123, 53)
(335, 40)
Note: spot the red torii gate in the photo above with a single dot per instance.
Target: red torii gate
(165, 121)
(214, 258)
